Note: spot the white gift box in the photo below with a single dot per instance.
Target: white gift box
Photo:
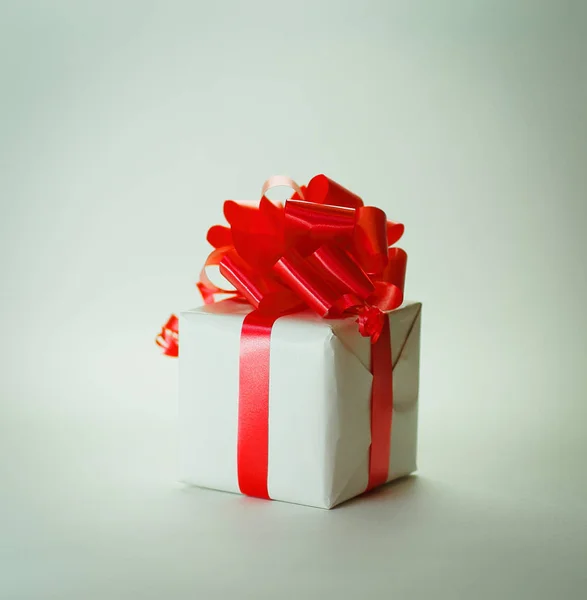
(319, 402)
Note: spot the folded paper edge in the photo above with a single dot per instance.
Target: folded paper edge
(410, 332)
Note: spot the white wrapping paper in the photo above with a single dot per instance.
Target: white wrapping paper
(319, 402)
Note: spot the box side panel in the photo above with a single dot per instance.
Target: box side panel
(208, 399)
(404, 431)
(349, 423)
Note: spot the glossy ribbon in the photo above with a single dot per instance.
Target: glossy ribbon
(323, 250)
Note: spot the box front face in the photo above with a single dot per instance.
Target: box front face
(302, 398)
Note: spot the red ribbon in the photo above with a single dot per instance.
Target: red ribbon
(168, 337)
(323, 250)
(253, 405)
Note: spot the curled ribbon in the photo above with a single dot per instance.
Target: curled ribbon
(324, 250)
(168, 337)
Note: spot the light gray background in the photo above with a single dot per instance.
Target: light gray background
(124, 125)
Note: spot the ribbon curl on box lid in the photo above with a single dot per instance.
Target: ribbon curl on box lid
(324, 250)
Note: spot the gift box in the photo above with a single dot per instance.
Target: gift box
(299, 376)
(312, 441)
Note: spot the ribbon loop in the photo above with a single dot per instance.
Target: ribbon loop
(168, 337)
(339, 266)
(370, 239)
(307, 282)
(324, 250)
(281, 181)
(252, 285)
(323, 190)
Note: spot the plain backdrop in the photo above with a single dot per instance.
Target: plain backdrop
(123, 127)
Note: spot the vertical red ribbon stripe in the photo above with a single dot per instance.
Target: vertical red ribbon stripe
(381, 408)
(253, 405)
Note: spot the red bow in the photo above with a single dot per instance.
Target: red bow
(323, 250)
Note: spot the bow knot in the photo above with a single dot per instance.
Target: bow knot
(370, 320)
